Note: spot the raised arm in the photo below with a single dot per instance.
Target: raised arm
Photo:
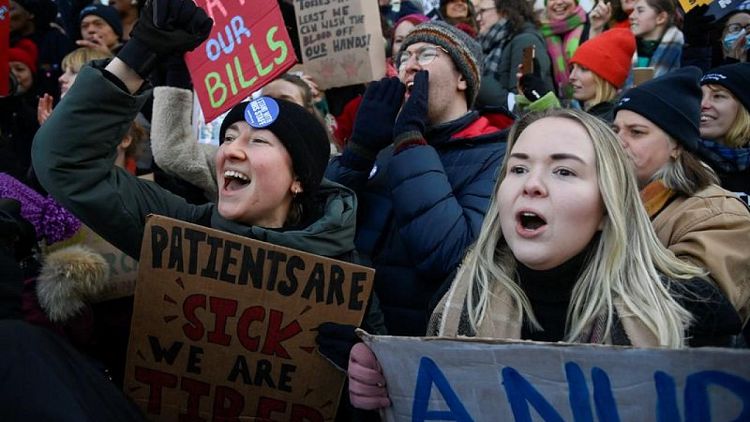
(174, 145)
(74, 152)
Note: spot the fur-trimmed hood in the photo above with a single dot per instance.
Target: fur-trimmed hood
(69, 277)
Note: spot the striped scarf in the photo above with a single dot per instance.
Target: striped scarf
(563, 38)
(492, 45)
(722, 158)
(666, 57)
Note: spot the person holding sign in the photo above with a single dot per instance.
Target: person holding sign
(423, 175)
(566, 253)
(269, 169)
(698, 221)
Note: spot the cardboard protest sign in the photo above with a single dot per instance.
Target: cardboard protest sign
(688, 5)
(224, 326)
(248, 47)
(475, 380)
(340, 41)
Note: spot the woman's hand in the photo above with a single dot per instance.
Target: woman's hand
(44, 108)
(598, 17)
(738, 51)
(317, 95)
(366, 381)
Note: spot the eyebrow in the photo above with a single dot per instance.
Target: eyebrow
(635, 125)
(554, 157)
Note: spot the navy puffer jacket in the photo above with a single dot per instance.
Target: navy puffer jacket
(420, 209)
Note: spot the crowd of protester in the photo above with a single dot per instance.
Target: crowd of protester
(571, 201)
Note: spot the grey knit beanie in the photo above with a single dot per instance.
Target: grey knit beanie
(464, 51)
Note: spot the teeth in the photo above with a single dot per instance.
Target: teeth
(528, 214)
(236, 175)
(409, 84)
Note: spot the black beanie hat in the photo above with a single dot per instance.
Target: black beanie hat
(108, 13)
(672, 102)
(463, 50)
(734, 77)
(302, 133)
(236, 114)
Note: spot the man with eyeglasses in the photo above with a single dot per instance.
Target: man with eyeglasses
(423, 171)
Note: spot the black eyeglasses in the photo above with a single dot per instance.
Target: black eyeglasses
(424, 56)
(734, 28)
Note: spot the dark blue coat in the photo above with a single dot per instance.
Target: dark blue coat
(420, 209)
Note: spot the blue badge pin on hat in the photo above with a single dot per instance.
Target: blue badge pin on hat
(261, 112)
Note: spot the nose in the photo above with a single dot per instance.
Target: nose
(534, 185)
(705, 103)
(234, 151)
(623, 141)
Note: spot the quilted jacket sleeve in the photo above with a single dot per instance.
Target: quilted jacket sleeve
(438, 221)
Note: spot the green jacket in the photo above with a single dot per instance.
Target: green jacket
(73, 156)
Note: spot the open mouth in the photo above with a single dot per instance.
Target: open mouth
(706, 118)
(234, 180)
(531, 221)
(409, 86)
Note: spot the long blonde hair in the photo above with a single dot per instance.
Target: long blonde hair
(80, 56)
(603, 91)
(738, 135)
(625, 262)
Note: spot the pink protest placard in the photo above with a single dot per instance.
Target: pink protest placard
(248, 47)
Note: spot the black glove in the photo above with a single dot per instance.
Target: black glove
(179, 26)
(17, 239)
(412, 121)
(373, 126)
(697, 27)
(533, 87)
(17, 235)
(335, 341)
(178, 74)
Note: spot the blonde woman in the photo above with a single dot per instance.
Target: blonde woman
(725, 125)
(599, 69)
(566, 253)
(71, 65)
(696, 219)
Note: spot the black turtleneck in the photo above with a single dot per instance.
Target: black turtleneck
(549, 292)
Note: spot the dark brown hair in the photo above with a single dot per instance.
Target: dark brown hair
(517, 12)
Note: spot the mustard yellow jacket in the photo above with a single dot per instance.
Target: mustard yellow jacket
(711, 229)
